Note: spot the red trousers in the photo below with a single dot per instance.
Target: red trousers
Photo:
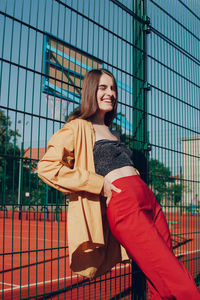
(138, 223)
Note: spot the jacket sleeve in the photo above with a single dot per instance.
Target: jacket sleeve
(57, 169)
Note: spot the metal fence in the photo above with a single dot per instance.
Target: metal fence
(46, 47)
(173, 110)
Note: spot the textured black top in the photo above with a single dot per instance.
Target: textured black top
(110, 155)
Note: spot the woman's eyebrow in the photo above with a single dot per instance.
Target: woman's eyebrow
(104, 85)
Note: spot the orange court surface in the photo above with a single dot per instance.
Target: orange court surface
(34, 259)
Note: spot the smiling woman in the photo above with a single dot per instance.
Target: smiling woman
(110, 204)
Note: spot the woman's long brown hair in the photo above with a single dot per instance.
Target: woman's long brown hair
(89, 104)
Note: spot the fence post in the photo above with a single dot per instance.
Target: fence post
(138, 283)
(19, 201)
(140, 136)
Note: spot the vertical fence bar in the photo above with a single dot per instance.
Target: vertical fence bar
(139, 117)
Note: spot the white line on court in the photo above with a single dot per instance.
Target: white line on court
(39, 283)
(188, 252)
(75, 276)
(32, 238)
(53, 280)
(9, 284)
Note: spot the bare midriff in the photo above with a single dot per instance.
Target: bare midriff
(121, 172)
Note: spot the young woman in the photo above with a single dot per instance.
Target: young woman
(87, 160)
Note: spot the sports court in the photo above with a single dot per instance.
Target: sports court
(36, 263)
(35, 260)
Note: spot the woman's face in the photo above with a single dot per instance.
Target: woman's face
(106, 93)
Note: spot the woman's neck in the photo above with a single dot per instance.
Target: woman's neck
(98, 119)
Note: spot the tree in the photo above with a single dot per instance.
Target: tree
(9, 164)
(33, 191)
(163, 184)
(174, 193)
(158, 177)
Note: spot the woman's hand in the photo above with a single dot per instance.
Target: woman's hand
(107, 189)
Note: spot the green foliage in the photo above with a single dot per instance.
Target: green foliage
(33, 190)
(159, 175)
(163, 184)
(38, 193)
(6, 133)
(9, 164)
(175, 193)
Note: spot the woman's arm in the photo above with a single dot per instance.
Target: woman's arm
(57, 169)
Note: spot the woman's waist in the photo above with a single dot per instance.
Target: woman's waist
(121, 172)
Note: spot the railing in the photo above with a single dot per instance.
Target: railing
(46, 47)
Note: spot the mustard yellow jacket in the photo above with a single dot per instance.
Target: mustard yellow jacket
(68, 166)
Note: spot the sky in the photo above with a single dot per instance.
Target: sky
(173, 64)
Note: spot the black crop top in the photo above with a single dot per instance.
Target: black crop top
(110, 155)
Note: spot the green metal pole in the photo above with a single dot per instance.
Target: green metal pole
(20, 180)
(139, 117)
